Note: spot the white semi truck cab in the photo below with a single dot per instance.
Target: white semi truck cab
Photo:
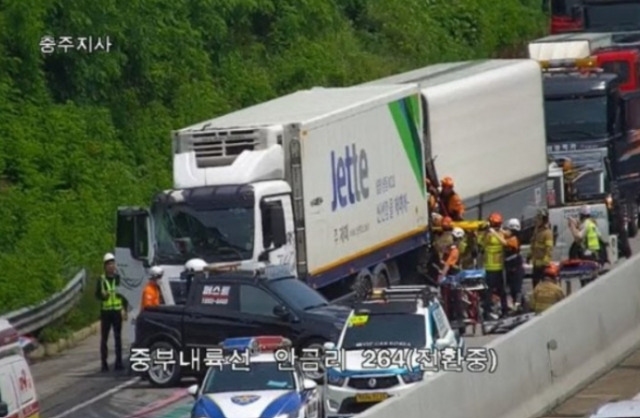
(230, 205)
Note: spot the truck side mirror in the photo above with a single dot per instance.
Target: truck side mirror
(133, 232)
(4, 409)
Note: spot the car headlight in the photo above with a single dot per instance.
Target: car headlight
(334, 378)
(412, 377)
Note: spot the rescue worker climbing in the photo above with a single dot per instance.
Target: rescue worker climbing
(151, 294)
(541, 246)
(432, 201)
(493, 243)
(586, 235)
(513, 262)
(450, 268)
(547, 293)
(112, 312)
(450, 201)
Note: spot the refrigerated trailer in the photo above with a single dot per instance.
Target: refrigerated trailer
(327, 181)
(484, 126)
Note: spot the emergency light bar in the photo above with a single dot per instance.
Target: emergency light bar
(580, 63)
(256, 345)
(267, 272)
(408, 293)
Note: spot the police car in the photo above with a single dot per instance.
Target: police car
(380, 348)
(267, 389)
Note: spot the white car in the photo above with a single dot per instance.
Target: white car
(620, 409)
(265, 390)
(399, 323)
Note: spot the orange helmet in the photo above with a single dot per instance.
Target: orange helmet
(447, 222)
(495, 219)
(447, 182)
(551, 270)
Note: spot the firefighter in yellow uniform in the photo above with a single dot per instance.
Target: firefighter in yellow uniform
(541, 246)
(493, 244)
(547, 293)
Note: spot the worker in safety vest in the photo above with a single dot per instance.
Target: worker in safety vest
(112, 312)
(450, 268)
(586, 233)
(151, 294)
(513, 262)
(541, 246)
(493, 244)
(450, 200)
(547, 293)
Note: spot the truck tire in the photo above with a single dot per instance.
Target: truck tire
(362, 285)
(164, 376)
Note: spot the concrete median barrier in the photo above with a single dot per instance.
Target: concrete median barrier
(540, 363)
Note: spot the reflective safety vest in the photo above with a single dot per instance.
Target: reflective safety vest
(113, 301)
(493, 254)
(592, 240)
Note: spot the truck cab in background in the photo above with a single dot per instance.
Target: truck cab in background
(622, 57)
(594, 127)
(565, 16)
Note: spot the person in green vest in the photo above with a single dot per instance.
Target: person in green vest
(112, 311)
(586, 233)
(493, 245)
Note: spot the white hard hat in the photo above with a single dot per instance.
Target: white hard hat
(457, 233)
(195, 265)
(585, 210)
(108, 257)
(156, 271)
(513, 224)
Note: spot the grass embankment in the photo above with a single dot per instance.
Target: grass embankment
(86, 132)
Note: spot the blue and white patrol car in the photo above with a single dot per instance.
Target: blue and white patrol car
(381, 348)
(265, 390)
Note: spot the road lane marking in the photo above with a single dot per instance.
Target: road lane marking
(161, 404)
(99, 397)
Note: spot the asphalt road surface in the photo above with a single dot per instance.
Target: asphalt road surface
(71, 386)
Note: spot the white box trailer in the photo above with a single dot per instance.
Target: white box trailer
(569, 46)
(484, 125)
(327, 181)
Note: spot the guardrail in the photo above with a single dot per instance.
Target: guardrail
(32, 318)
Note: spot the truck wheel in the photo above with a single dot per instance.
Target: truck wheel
(161, 375)
(312, 346)
(362, 285)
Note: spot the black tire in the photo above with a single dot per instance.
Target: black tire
(624, 246)
(160, 377)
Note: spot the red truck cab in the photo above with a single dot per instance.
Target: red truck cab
(565, 16)
(623, 62)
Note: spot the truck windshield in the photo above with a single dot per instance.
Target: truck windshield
(260, 376)
(297, 294)
(213, 234)
(612, 17)
(576, 118)
(387, 331)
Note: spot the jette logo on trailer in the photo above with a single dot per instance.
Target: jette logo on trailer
(348, 177)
